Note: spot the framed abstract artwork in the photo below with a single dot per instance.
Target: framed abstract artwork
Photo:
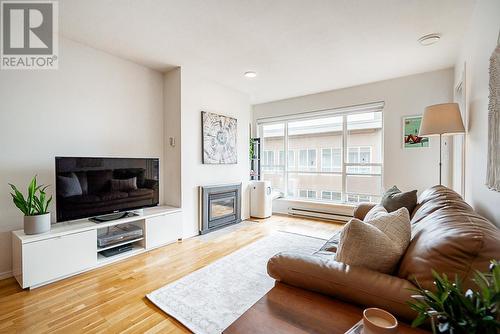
(218, 139)
(411, 139)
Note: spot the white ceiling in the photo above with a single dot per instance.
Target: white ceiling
(297, 47)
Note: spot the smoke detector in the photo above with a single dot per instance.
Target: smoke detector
(250, 74)
(429, 39)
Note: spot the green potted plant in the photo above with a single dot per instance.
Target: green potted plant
(451, 310)
(34, 207)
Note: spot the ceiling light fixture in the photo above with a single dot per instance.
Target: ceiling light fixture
(250, 74)
(429, 39)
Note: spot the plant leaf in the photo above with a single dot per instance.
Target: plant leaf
(419, 320)
(47, 204)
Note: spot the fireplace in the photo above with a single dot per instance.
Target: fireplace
(219, 206)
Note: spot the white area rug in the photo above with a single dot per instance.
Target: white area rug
(210, 299)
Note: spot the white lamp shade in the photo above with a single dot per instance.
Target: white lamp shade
(440, 119)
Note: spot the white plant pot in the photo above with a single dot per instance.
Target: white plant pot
(37, 224)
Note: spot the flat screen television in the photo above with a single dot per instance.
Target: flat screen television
(88, 187)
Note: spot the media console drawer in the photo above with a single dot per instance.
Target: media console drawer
(164, 229)
(53, 258)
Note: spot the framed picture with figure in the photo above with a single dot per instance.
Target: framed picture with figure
(411, 139)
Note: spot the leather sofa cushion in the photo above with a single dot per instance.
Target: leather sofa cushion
(448, 236)
(68, 186)
(99, 181)
(124, 184)
(127, 173)
(353, 284)
(362, 210)
(112, 195)
(141, 192)
(82, 177)
(83, 199)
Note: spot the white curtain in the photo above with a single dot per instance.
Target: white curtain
(493, 171)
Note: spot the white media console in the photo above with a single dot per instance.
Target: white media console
(71, 247)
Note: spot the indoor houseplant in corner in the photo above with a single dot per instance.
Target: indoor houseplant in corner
(451, 310)
(34, 207)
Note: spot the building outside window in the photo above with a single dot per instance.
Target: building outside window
(291, 159)
(268, 160)
(309, 194)
(333, 196)
(281, 159)
(331, 159)
(358, 198)
(307, 159)
(359, 155)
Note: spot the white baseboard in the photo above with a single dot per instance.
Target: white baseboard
(5, 274)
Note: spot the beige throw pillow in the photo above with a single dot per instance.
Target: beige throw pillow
(396, 225)
(377, 244)
(374, 212)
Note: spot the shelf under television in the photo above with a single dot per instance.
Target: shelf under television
(100, 249)
(101, 259)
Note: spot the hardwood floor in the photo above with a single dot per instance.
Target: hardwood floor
(112, 299)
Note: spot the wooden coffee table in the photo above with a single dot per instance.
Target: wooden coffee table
(286, 309)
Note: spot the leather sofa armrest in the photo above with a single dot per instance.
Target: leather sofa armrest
(353, 284)
(362, 209)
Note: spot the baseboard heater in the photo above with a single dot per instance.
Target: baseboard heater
(318, 214)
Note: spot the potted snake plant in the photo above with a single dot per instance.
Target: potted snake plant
(34, 207)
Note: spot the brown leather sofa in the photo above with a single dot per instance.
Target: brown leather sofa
(447, 236)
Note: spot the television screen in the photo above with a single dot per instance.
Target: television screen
(88, 187)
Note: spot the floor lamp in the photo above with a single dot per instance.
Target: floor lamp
(441, 119)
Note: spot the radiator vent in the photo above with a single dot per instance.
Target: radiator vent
(318, 214)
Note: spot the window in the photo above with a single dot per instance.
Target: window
(268, 160)
(307, 159)
(358, 198)
(365, 154)
(361, 155)
(281, 161)
(309, 194)
(291, 159)
(273, 142)
(331, 159)
(331, 196)
(338, 151)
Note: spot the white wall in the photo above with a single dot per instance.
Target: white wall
(199, 94)
(95, 104)
(479, 42)
(172, 118)
(407, 168)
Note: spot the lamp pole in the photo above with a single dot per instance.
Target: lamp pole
(440, 164)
